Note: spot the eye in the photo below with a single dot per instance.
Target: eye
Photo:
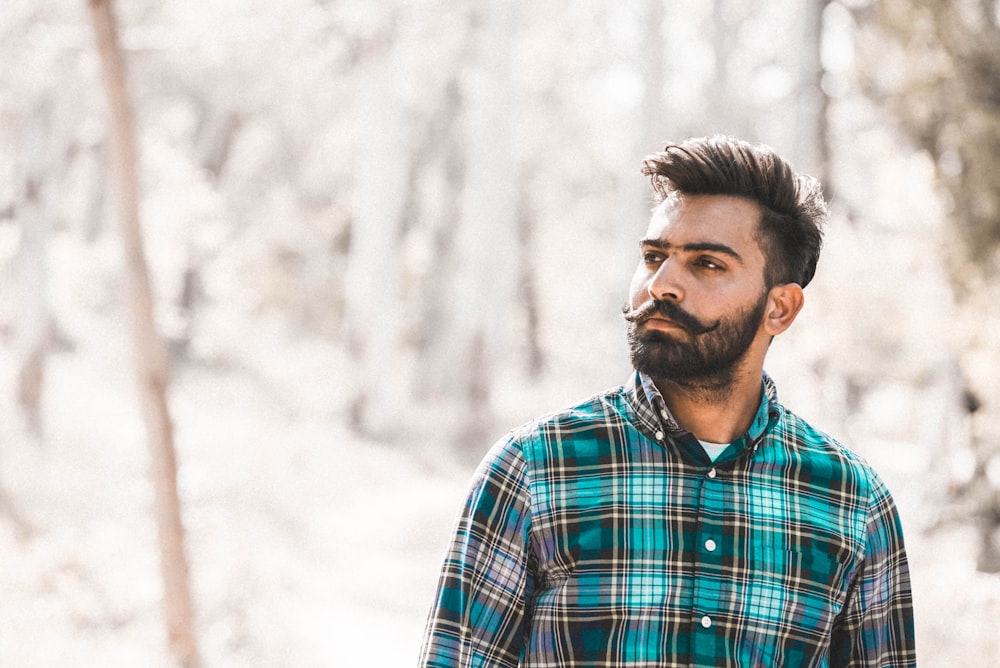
(709, 263)
(651, 257)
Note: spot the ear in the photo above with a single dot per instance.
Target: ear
(783, 303)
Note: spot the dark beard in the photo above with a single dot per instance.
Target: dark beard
(707, 360)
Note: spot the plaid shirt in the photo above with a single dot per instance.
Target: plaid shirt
(603, 535)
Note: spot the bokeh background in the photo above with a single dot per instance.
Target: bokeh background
(381, 234)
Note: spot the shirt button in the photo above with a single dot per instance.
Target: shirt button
(706, 622)
(710, 545)
(659, 435)
(711, 474)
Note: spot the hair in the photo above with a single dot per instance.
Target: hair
(792, 207)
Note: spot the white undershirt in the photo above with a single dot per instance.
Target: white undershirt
(713, 449)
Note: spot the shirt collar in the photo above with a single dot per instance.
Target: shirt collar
(652, 410)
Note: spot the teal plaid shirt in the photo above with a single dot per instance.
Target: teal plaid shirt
(603, 535)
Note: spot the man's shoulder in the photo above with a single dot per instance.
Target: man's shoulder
(815, 446)
(607, 406)
(549, 436)
(593, 419)
(805, 434)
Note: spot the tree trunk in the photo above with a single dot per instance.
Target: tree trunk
(446, 139)
(650, 130)
(813, 127)
(34, 328)
(150, 357)
(486, 262)
(724, 113)
(527, 287)
(372, 305)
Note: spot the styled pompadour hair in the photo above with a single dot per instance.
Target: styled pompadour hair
(793, 211)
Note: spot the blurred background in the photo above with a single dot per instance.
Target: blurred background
(381, 234)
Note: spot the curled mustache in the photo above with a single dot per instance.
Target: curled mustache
(672, 312)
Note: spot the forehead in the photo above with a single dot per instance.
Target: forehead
(720, 219)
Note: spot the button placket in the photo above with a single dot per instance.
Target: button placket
(709, 590)
(708, 539)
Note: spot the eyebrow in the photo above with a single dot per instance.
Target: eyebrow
(698, 246)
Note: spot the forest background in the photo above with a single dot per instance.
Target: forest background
(381, 234)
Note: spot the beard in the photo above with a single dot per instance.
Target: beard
(707, 359)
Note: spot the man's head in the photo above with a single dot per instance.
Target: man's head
(792, 209)
(734, 238)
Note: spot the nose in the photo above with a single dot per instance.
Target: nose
(666, 283)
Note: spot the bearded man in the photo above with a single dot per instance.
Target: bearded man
(686, 518)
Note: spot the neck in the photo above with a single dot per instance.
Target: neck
(711, 410)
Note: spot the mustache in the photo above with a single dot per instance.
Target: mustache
(672, 312)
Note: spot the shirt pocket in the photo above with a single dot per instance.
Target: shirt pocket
(801, 590)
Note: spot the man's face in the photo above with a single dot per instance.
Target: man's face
(698, 296)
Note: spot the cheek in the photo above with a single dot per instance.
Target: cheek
(637, 292)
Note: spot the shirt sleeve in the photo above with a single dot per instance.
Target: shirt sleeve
(875, 627)
(479, 611)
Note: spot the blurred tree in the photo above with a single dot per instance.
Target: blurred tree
(442, 151)
(150, 355)
(473, 332)
(216, 135)
(528, 291)
(813, 140)
(372, 304)
(724, 99)
(650, 130)
(34, 211)
(936, 66)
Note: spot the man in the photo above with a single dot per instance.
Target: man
(686, 518)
